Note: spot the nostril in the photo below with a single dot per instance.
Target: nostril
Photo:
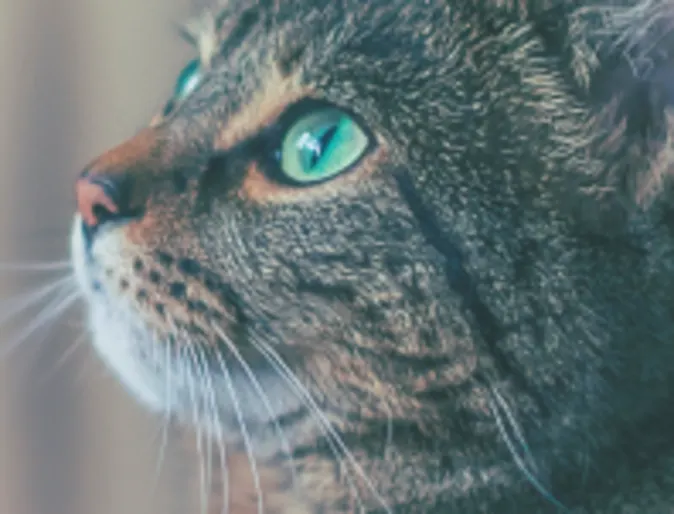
(101, 199)
(102, 213)
(102, 216)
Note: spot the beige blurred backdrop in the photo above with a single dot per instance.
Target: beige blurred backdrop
(76, 76)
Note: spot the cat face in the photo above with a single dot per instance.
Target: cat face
(403, 215)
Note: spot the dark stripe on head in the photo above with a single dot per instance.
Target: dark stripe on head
(484, 321)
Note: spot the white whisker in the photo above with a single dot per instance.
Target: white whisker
(285, 444)
(237, 249)
(521, 464)
(192, 385)
(12, 306)
(515, 426)
(222, 455)
(321, 417)
(37, 266)
(167, 365)
(244, 432)
(224, 468)
(54, 309)
(219, 436)
(205, 378)
(213, 419)
(60, 362)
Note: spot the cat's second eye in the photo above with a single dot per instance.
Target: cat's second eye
(188, 80)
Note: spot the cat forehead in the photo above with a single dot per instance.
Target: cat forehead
(227, 26)
(230, 20)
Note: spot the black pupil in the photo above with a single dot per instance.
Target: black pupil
(323, 142)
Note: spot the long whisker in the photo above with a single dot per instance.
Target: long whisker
(224, 467)
(222, 453)
(167, 366)
(529, 475)
(192, 384)
(13, 306)
(60, 362)
(211, 408)
(301, 391)
(37, 266)
(515, 427)
(285, 444)
(244, 432)
(237, 249)
(219, 437)
(54, 309)
(321, 417)
(209, 405)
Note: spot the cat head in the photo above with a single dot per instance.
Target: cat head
(437, 216)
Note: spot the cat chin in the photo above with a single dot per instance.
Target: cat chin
(114, 337)
(201, 402)
(119, 348)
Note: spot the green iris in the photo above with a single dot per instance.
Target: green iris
(188, 80)
(320, 145)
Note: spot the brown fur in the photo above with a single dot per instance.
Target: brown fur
(262, 110)
(482, 307)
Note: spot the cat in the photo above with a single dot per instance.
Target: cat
(406, 257)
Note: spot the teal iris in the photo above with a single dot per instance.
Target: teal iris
(320, 145)
(188, 80)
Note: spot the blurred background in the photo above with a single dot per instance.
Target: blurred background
(76, 77)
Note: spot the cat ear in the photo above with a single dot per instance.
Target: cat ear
(623, 57)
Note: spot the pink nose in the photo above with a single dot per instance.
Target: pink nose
(97, 199)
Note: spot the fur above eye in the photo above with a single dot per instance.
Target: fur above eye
(321, 144)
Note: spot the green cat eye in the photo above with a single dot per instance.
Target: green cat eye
(188, 80)
(320, 145)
